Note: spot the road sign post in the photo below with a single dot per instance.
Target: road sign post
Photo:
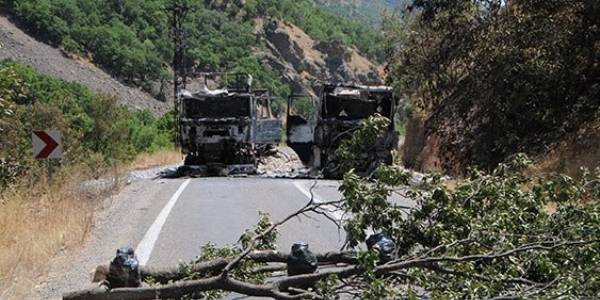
(47, 145)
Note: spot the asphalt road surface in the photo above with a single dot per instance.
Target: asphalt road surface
(168, 220)
(218, 210)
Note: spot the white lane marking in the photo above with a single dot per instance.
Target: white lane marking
(330, 209)
(144, 249)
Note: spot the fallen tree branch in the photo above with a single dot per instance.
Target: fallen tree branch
(164, 276)
(278, 289)
(275, 290)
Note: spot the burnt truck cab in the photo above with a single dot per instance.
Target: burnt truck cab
(225, 129)
(315, 134)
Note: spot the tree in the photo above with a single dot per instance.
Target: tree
(12, 89)
(147, 134)
(109, 134)
(95, 129)
(489, 236)
(499, 77)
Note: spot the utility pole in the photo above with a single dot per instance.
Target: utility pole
(178, 11)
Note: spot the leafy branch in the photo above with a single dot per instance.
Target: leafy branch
(502, 235)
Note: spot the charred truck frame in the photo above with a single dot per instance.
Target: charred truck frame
(225, 129)
(316, 128)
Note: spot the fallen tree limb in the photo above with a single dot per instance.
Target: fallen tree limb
(503, 263)
(164, 276)
(276, 290)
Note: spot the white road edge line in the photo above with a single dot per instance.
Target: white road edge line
(144, 249)
(331, 210)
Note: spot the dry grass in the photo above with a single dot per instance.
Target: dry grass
(36, 222)
(39, 220)
(159, 158)
(568, 159)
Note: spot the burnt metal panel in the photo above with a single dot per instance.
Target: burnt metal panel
(226, 123)
(301, 136)
(268, 131)
(216, 107)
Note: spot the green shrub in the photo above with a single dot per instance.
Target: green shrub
(95, 130)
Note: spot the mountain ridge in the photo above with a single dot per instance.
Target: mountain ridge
(368, 12)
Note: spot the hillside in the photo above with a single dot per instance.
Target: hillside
(292, 55)
(301, 61)
(368, 12)
(17, 45)
(506, 80)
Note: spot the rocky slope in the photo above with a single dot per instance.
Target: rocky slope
(17, 45)
(302, 62)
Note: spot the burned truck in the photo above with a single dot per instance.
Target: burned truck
(316, 126)
(226, 125)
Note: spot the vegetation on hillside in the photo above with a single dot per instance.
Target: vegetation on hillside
(369, 12)
(39, 215)
(499, 77)
(95, 130)
(133, 40)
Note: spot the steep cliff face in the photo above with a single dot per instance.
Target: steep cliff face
(303, 63)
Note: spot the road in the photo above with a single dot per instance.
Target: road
(167, 220)
(218, 210)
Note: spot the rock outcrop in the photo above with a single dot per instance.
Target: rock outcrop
(303, 63)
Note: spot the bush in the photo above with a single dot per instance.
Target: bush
(95, 129)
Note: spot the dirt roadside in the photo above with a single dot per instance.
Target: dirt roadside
(70, 269)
